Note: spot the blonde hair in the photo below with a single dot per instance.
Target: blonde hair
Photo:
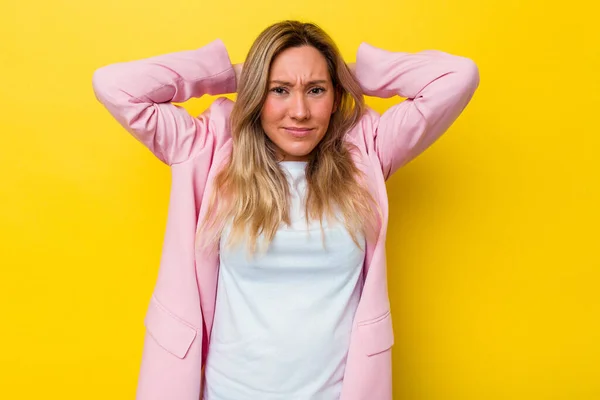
(252, 190)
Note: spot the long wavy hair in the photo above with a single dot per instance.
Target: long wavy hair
(251, 190)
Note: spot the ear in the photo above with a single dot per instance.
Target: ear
(336, 103)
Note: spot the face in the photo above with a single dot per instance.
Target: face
(299, 103)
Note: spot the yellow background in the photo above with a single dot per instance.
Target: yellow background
(493, 240)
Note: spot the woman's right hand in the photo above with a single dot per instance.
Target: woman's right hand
(238, 71)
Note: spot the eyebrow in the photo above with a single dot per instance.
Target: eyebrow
(285, 83)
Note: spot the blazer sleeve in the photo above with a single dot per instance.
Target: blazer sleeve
(437, 87)
(139, 95)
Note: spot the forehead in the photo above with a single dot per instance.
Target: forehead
(304, 62)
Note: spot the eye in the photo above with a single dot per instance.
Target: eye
(317, 90)
(278, 90)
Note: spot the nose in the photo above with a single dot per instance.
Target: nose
(299, 108)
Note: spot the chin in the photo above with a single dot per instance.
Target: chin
(298, 152)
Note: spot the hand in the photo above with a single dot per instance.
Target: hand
(352, 68)
(237, 68)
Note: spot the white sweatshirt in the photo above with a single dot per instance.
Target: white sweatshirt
(283, 319)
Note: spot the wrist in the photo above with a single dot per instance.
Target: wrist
(237, 68)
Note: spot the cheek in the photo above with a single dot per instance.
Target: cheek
(322, 111)
(272, 112)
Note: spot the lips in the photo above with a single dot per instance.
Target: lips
(297, 131)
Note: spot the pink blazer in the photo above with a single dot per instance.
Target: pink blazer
(139, 95)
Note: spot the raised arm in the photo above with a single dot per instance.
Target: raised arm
(437, 87)
(139, 93)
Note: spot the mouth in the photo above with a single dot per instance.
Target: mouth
(297, 131)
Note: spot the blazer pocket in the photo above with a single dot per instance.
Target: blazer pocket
(169, 331)
(377, 335)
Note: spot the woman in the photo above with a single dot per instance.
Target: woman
(272, 283)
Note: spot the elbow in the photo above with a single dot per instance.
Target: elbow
(463, 76)
(100, 82)
(104, 81)
(469, 71)
(462, 72)
(460, 66)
